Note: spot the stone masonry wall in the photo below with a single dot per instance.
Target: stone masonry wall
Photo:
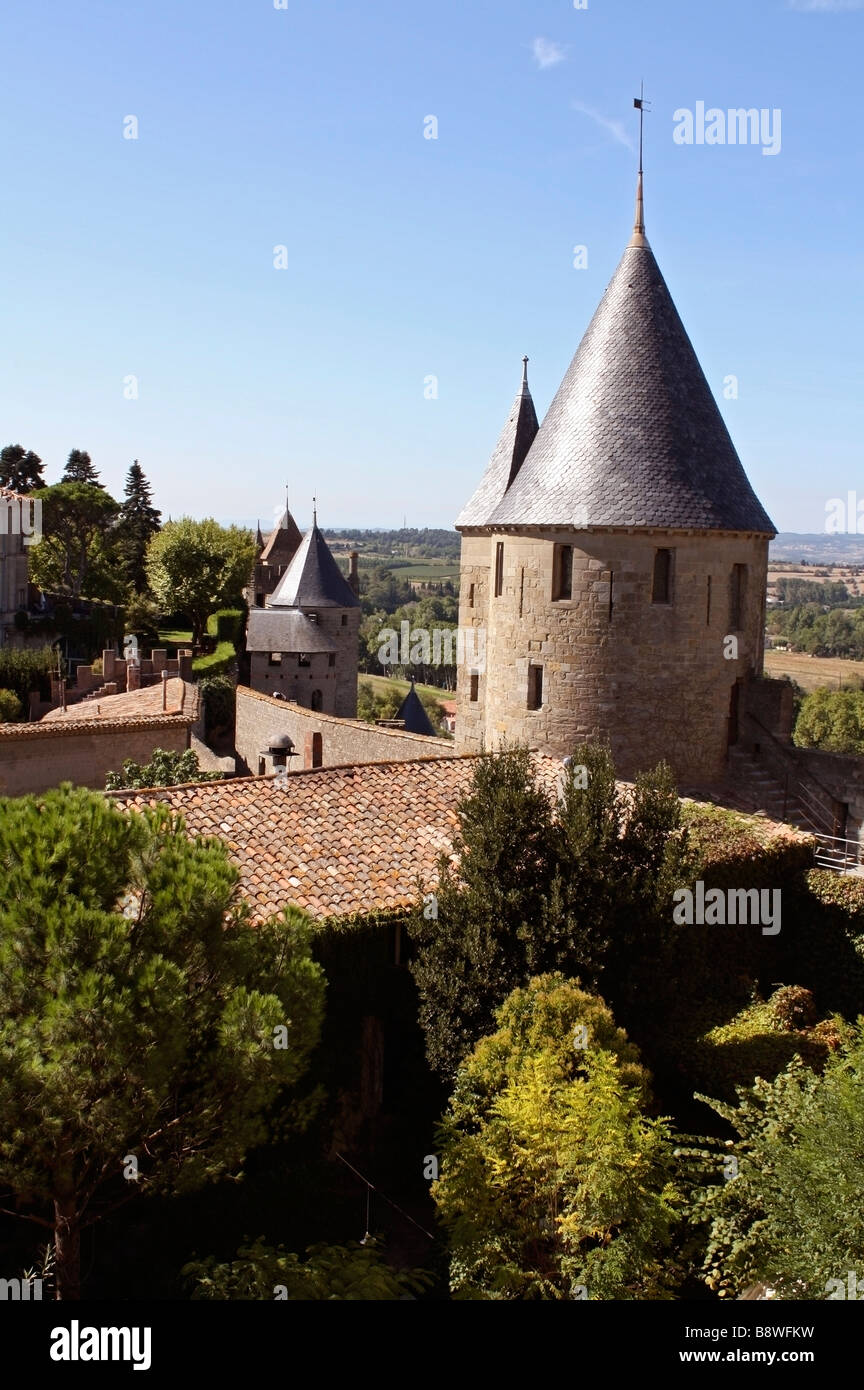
(337, 683)
(31, 762)
(261, 719)
(650, 678)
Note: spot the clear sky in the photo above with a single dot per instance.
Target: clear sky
(409, 257)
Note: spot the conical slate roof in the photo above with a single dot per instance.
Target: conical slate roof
(282, 542)
(507, 458)
(313, 579)
(634, 436)
(411, 710)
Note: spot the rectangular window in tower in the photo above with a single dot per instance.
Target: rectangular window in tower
(275, 659)
(344, 619)
(303, 659)
(475, 687)
(331, 659)
(562, 572)
(535, 687)
(737, 596)
(470, 595)
(661, 588)
(499, 569)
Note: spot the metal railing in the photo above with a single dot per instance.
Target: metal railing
(839, 854)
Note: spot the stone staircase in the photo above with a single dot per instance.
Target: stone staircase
(755, 790)
(749, 787)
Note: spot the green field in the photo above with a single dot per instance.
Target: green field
(175, 637)
(381, 685)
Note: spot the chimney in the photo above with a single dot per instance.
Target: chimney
(353, 576)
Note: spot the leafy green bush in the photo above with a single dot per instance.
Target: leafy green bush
(165, 769)
(11, 708)
(792, 1218)
(351, 1272)
(756, 1044)
(833, 720)
(23, 669)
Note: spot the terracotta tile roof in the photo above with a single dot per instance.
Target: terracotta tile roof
(65, 728)
(182, 699)
(334, 841)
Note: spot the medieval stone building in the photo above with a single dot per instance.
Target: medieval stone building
(616, 556)
(303, 646)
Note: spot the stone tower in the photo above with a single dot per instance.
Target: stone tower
(615, 558)
(304, 644)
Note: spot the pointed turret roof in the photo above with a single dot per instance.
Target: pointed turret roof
(313, 579)
(412, 712)
(282, 543)
(507, 458)
(634, 436)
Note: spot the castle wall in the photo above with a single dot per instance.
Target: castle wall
(649, 678)
(261, 719)
(34, 757)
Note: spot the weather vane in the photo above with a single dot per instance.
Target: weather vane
(641, 106)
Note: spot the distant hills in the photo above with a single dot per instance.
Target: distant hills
(819, 549)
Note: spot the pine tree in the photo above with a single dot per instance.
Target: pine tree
(20, 469)
(79, 469)
(145, 1028)
(139, 520)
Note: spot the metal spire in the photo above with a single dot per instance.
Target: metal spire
(638, 237)
(524, 375)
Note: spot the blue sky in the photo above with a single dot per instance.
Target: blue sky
(411, 257)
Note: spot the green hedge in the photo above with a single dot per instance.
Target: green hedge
(226, 625)
(218, 663)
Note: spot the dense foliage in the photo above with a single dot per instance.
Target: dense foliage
(832, 720)
(580, 883)
(553, 1183)
(165, 769)
(23, 669)
(345, 1272)
(139, 1012)
(76, 554)
(195, 567)
(792, 1217)
(20, 469)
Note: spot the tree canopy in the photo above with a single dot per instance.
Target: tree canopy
(75, 553)
(581, 882)
(195, 567)
(145, 1027)
(80, 469)
(21, 469)
(138, 521)
(553, 1183)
